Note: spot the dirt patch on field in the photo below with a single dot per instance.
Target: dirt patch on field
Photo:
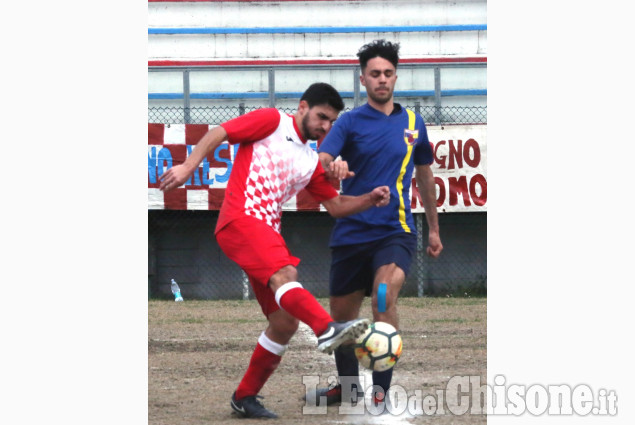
(198, 352)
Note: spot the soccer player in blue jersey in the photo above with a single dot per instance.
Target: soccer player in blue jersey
(380, 143)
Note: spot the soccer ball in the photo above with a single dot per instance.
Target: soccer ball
(379, 348)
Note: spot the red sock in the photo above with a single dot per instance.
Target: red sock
(262, 364)
(299, 303)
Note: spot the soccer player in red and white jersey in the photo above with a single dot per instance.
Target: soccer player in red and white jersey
(273, 164)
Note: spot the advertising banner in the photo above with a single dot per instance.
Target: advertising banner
(460, 170)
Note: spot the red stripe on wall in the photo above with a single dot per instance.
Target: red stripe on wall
(255, 62)
(155, 134)
(175, 199)
(178, 152)
(194, 132)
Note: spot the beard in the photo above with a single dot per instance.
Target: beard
(307, 132)
(380, 98)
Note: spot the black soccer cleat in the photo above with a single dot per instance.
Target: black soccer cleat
(338, 333)
(250, 407)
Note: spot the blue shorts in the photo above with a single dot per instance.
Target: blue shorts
(353, 267)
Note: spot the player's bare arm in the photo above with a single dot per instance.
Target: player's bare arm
(335, 168)
(344, 205)
(179, 174)
(427, 190)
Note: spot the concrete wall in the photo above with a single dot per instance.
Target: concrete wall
(326, 14)
(407, 22)
(182, 246)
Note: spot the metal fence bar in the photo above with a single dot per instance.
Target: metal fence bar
(186, 96)
(272, 87)
(356, 86)
(437, 94)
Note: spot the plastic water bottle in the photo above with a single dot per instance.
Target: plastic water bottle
(176, 291)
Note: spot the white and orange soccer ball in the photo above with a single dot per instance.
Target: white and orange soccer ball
(379, 347)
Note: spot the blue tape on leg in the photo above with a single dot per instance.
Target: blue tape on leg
(381, 297)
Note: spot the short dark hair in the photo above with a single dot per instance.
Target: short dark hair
(322, 93)
(382, 48)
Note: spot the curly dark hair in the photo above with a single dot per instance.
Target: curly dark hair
(382, 48)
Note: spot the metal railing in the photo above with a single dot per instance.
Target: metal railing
(438, 113)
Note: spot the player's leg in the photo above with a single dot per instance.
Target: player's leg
(343, 308)
(282, 326)
(388, 282)
(349, 281)
(346, 307)
(297, 301)
(263, 254)
(235, 242)
(271, 345)
(391, 263)
(301, 304)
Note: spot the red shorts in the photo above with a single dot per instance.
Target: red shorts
(260, 252)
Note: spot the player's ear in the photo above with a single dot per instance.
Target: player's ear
(303, 108)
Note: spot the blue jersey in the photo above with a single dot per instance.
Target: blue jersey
(381, 150)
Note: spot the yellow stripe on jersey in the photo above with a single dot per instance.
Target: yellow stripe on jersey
(402, 172)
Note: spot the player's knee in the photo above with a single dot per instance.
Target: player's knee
(284, 275)
(289, 328)
(384, 299)
(292, 326)
(285, 326)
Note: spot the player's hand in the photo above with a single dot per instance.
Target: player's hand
(380, 196)
(434, 245)
(338, 169)
(173, 178)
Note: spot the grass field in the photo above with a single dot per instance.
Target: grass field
(199, 350)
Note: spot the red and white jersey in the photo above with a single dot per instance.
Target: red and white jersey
(272, 165)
